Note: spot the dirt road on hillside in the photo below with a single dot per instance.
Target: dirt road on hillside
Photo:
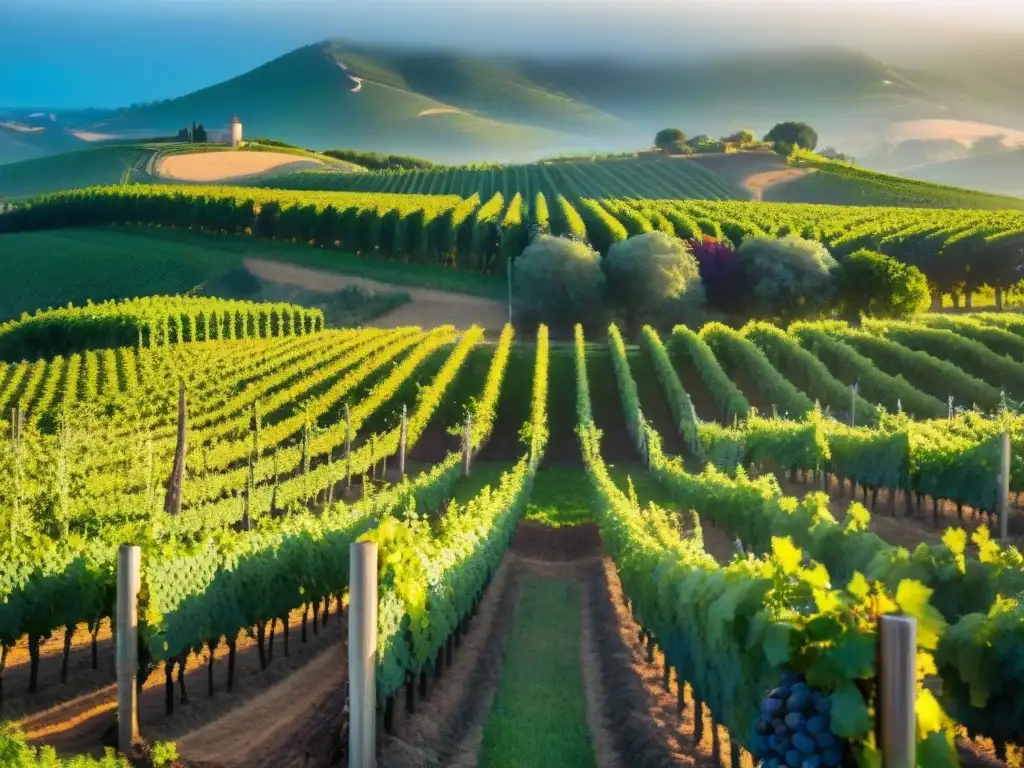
(427, 307)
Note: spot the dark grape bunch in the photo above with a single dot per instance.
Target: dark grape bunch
(793, 729)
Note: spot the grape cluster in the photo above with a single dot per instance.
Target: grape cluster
(793, 729)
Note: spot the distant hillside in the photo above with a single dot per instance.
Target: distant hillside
(741, 176)
(999, 173)
(458, 108)
(307, 98)
(19, 141)
(88, 167)
(842, 184)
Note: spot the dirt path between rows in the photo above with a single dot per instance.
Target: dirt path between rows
(428, 308)
(264, 720)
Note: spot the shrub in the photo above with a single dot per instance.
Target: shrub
(558, 282)
(725, 283)
(655, 277)
(869, 283)
(789, 277)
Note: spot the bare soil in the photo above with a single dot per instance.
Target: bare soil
(428, 308)
(446, 727)
(229, 165)
(759, 182)
(268, 709)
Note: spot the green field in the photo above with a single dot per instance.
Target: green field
(539, 716)
(50, 269)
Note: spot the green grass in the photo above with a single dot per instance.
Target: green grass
(481, 475)
(73, 170)
(52, 268)
(560, 497)
(538, 718)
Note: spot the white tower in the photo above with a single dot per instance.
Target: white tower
(236, 132)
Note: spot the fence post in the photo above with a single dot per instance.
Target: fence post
(467, 446)
(362, 654)
(897, 686)
(129, 579)
(401, 444)
(1004, 486)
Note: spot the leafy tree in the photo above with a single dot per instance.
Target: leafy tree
(559, 282)
(873, 284)
(725, 284)
(651, 275)
(741, 137)
(669, 139)
(199, 136)
(183, 135)
(789, 277)
(795, 133)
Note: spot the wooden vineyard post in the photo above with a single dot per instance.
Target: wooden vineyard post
(348, 448)
(1004, 486)
(172, 501)
(362, 655)
(897, 686)
(129, 579)
(401, 443)
(467, 446)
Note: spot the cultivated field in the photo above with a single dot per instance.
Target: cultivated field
(293, 439)
(221, 166)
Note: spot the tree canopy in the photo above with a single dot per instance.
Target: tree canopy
(669, 138)
(559, 282)
(652, 274)
(873, 284)
(793, 133)
(788, 277)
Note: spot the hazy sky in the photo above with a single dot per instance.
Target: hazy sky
(78, 53)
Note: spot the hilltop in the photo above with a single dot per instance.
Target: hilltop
(454, 107)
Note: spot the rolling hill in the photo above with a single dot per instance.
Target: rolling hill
(71, 170)
(19, 141)
(154, 163)
(308, 98)
(453, 107)
(999, 173)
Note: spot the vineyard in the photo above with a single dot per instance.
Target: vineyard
(672, 179)
(957, 250)
(244, 450)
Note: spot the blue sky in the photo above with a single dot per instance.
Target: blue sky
(70, 53)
